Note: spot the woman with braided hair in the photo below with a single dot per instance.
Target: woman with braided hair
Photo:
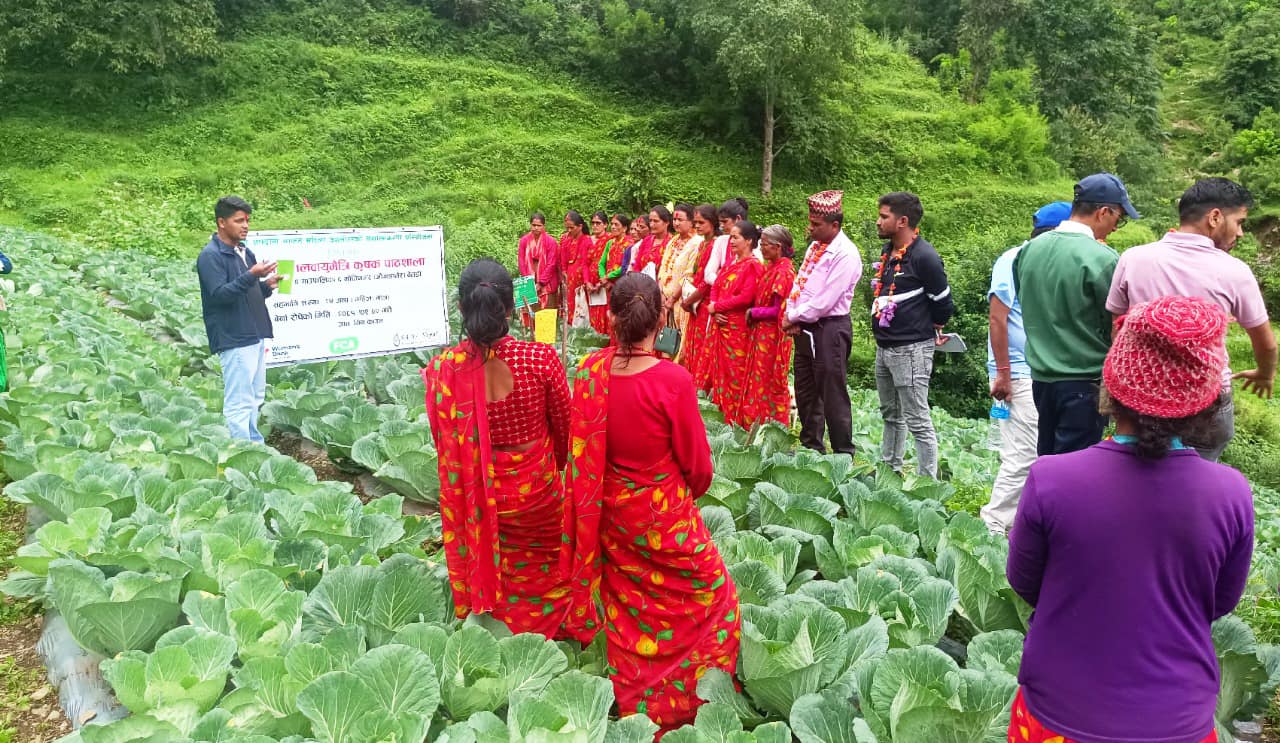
(639, 460)
(499, 415)
(1130, 549)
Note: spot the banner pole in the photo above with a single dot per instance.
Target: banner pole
(564, 316)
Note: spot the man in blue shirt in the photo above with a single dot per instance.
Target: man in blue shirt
(1010, 377)
(234, 288)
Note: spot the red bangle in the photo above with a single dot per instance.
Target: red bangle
(1004, 368)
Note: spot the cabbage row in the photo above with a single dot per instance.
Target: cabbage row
(234, 598)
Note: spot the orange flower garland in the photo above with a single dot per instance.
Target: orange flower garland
(810, 260)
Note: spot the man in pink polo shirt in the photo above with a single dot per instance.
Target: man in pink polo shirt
(1194, 261)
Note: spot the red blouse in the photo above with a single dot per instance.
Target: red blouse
(654, 414)
(539, 402)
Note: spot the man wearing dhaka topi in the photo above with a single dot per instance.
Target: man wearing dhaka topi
(817, 314)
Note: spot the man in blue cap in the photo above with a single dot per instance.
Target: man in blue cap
(1011, 377)
(1062, 280)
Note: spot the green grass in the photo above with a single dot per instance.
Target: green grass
(11, 537)
(1255, 450)
(16, 686)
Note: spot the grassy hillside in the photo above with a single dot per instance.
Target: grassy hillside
(374, 137)
(397, 138)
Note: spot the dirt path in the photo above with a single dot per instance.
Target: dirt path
(29, 710)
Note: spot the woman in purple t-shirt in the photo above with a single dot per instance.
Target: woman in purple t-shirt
(1130, 549)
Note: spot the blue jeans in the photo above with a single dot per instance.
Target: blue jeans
(244, 387)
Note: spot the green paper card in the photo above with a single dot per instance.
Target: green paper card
(284, 269)
(526, 292)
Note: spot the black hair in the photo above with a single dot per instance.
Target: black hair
(636, 304)
(904, 204)
(664, 215)
(1087, 208)
(1208, 194)
(604, 218)
(836, 217)
(1155, 435)
(487, 297)
(576, 218)
(1038, 231)
(735, 209)
(623, 219)
(750, 231)
(708, 212)
(227, 206)
(685, 207)
(537, 217)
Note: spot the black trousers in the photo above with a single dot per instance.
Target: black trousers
(1069, 417)
(822, 392)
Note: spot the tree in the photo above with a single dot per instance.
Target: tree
(1091, 56)
(779, 55)
(1250, 73)
(985, 31)
(118, 35)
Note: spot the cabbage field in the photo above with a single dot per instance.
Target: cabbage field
(234, 597)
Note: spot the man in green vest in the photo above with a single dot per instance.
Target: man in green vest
(1062, 280)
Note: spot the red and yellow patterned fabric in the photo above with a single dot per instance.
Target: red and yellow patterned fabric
(696, 354)
(1024, 728)
(766, 395)
(611, 255)
(670, 609)
(602, 248)
(650, 251)
(573, 251)
(502, 512)
(730, 339)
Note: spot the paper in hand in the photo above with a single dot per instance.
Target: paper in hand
(953, 343)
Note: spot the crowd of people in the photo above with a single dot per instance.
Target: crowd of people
(571, 511)
(744, 313)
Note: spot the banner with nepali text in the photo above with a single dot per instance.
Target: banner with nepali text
(348, 293)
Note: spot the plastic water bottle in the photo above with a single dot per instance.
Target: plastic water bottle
(999, 413)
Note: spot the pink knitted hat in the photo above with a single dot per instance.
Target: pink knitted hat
(1168, 356)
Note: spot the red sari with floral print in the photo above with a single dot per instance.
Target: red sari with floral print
(573, 251)
(1025, 728)
(650, 251)
(766, 395)
(638, 547)
(696, 352)
(730, 341)
(599, 314)
(502, 511)
(612, 254)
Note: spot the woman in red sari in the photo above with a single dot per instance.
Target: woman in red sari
(639, 461)
(575, 245)
(536, 257)
(731, 296)
(610, 251)
(767, 395)
(499, 415)
(694, 346)
(714, 256)
(651, 251)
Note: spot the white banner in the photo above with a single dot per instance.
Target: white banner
(348, 293)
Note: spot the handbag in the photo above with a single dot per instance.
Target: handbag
(668, 341)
